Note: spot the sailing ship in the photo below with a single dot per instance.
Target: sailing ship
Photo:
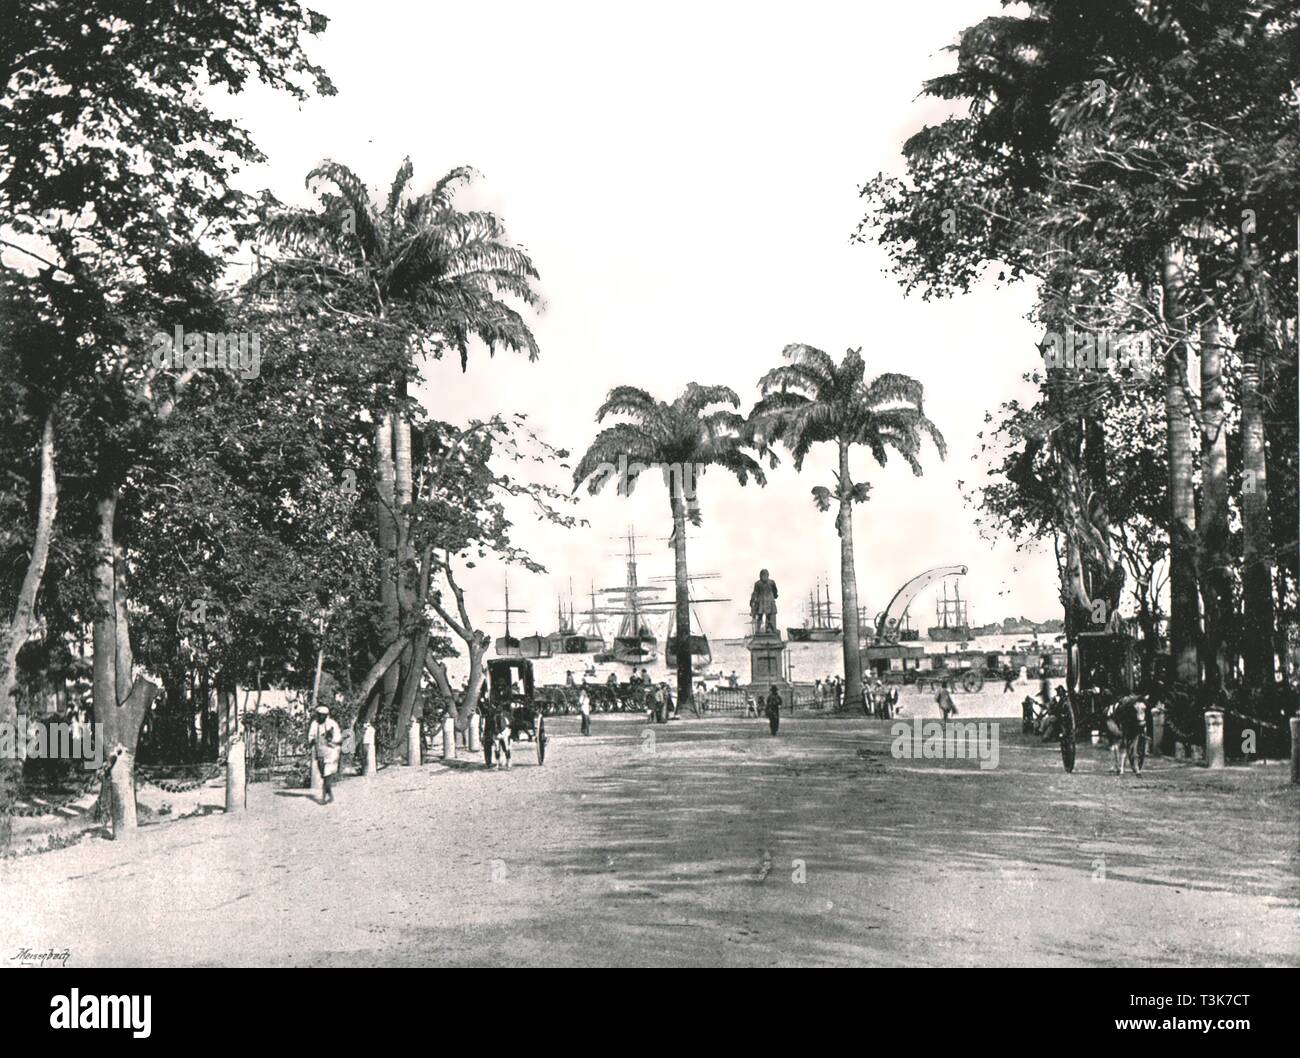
(954, 622)
(701, 652)
(569, 639)
(508, 646)
(635, 642)
(821, 624)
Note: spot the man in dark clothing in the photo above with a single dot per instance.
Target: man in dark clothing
(944, 699)
(1009, 674)
(774, 708)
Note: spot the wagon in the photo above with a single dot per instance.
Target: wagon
(512, 703)
(969, 680)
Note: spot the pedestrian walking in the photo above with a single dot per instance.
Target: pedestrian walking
(946, 706)
(774, 708)
(584, 709)
(325, 743)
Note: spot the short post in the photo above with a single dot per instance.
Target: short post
(471, 734)
(317, 779)
(1157, 729)
(1295, 749)
(449, 738)
(371, 765)
(413, 745)
(236, 776)
(1214, 739)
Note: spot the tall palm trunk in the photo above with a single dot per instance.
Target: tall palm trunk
(682, 618)
(1184, 609)
(386, 533)
(1216, 583)
(1257, 560)
(20, 626)
(849, 588)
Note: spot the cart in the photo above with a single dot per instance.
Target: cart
(512, 706)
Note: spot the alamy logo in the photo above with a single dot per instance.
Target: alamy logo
(953, 740)
(1098, 351)
(60, 740)
(237, 353)
(76, 1011)
(681, 477)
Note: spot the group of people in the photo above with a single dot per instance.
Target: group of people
(882, 699)
(830, 689)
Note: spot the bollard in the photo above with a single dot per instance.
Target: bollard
(448, 738)
(317, 779)
(1295, 749)
(413, 745)
(371, 765)
(1213, 738)
(471, 733)
(236, 777)
(1157, 729)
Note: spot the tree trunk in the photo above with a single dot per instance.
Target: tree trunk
(1216, 581)
(380, 667)
(20, 625)
(682, 615)
(121, 702)
(1184, 609)
(418, 647)
(1256, 530)
(411, 683)
(405, 569)
(385, 508)
(849, 589)
(104, 628)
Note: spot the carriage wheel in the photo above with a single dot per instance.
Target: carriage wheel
(1067, 738)
(971, 682)
(541, 741)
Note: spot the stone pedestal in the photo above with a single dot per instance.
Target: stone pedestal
(767, 668)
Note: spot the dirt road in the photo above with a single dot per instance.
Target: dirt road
(699, 842)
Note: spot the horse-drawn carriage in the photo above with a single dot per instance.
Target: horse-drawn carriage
(511, 711)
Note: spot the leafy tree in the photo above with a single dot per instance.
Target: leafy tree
(437, 277)
(1112, 151)
(112, 218)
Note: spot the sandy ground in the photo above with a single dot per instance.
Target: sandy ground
(698, 842)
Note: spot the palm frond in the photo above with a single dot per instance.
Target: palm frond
(629, 400)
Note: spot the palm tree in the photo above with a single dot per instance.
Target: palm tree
(682, 439)
(438, 277)
(812, 399)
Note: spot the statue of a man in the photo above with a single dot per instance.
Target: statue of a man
(762, 604)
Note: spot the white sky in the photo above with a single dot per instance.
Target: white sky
(685, 178)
